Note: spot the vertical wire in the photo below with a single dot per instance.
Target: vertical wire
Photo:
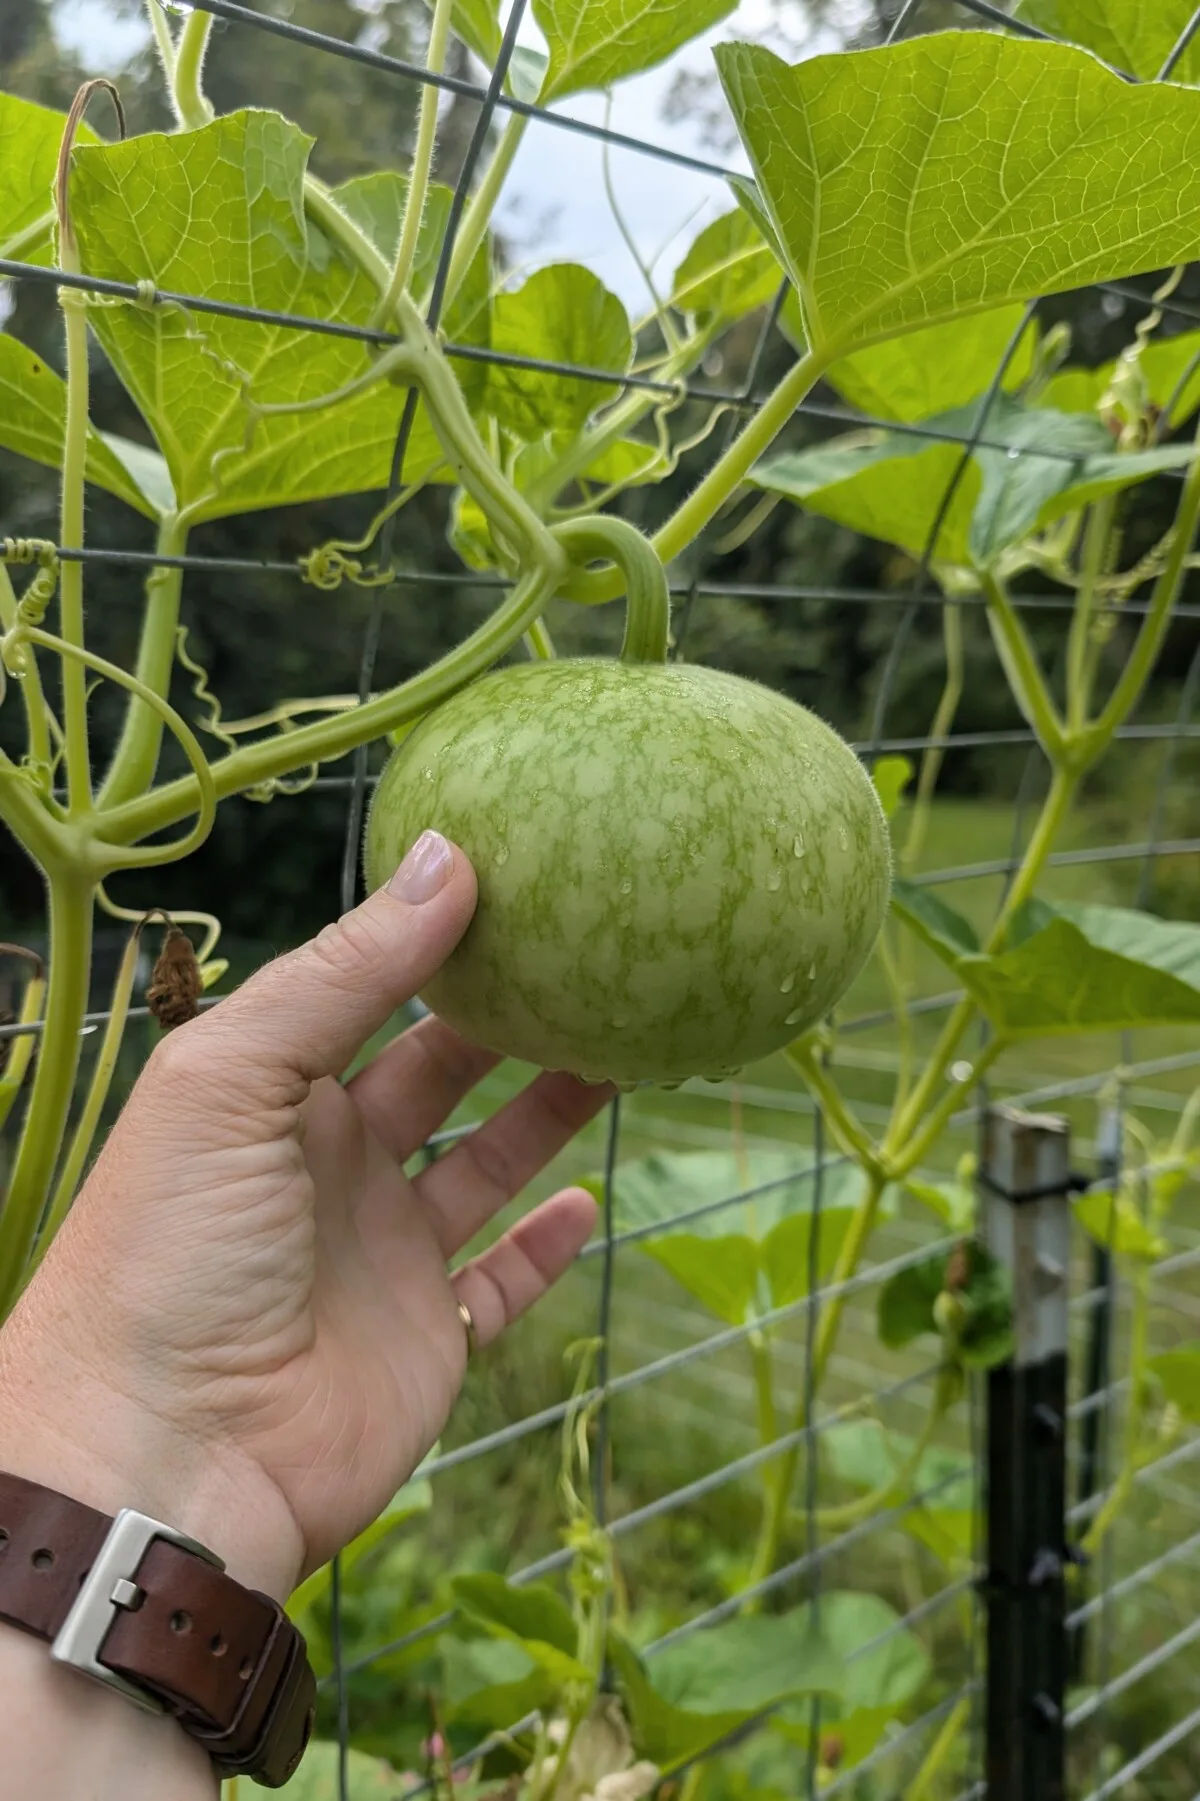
(341, 1687)
(812, 1470)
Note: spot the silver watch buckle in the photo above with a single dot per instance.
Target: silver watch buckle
(110, 1586)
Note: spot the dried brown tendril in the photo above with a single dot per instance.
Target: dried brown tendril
(175, 981)
(958, 1268)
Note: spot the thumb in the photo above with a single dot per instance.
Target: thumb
(308, 1013)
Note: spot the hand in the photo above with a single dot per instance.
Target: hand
(247, 1325)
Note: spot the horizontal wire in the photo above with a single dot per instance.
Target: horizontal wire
(1083, 1510)
(1145, 1666)
(1128, 1585)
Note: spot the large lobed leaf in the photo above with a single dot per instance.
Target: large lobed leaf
(1034, 466)
(754, 1253)
(219, 213)
(30, 137)
(1134, 35)
(562, 314)
(33, 415)
(957, 172)
(593, 43)
(1066, 968)
(934, 370)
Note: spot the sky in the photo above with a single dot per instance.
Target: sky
(554, 207)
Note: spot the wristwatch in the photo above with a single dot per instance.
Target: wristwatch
(149, 1612)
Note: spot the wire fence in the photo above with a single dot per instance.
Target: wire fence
(661, 1365)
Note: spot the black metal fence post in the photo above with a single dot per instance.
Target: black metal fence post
(1025, 1175)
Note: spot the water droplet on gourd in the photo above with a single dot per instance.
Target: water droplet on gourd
(793, 1019)
(797, 847)
(812, 970)
(618, 1025)
(1013, 454)
(775, 880)
(428, 774)
(670, 1087)
(788, 983)
(627, 886)
(501, 857)
(624, 1087)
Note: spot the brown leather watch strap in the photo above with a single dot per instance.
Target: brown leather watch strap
(173, 1631)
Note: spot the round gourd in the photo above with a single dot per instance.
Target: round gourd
(679, 871)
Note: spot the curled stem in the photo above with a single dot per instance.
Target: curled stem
(648, 606)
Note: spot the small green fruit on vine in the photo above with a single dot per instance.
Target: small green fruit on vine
(679, 871)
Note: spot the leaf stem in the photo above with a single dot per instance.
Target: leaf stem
(163, 40)
(1155, 621)
(70, 578)
(136, 758)
(482, 205)
(192, 109)
(71, 903)
(422, 165)
(943, 719)
(848, 1131)
(931, 1764)
(1096, 542)
(1021, 666)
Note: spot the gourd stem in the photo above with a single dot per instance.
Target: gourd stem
(648, 602)
(191, 107)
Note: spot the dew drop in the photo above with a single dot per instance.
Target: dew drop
(618, 1025)
(501, 856)
(627, 886)
(793, 1019)
(428, 774)
(788, 983)
(797, 847)
(1013, 454)
(775, 880)
(812, 970)
(624, 1087)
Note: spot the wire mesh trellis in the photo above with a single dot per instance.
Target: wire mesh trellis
(635, 1357)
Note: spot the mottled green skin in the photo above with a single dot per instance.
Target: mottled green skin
(679, 871)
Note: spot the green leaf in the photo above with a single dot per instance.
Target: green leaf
(878, 1682)
(1088, 969)
(30, 137)
(728, 272)
(748, 1255)
(594, 43)
(947, 933)
(529, 1614)
(628, 463)
(1114, 1222)
(227, 221)
(953, 1202)
(377, 204)
(925, 180)
(934, 370)
(562, 314)
(1128, 34)
(1164, 363)
(883, 486)
(370, 1779)
(33, 414)
(891, 776)
(984, 1333)
(891, 485)
(697, 1690)
(477, 23)
(490, 1683)
(1179, 1373)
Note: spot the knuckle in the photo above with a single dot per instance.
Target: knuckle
(351, 949)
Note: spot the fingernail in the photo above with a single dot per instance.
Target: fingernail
(424, 870)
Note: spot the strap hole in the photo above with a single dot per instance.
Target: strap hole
(217, 1645)
(246, 1669)
(180, 1621)
(42, 1560)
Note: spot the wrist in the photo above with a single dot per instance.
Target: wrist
(62, 1428)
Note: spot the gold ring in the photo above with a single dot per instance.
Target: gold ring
(464, 1314)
